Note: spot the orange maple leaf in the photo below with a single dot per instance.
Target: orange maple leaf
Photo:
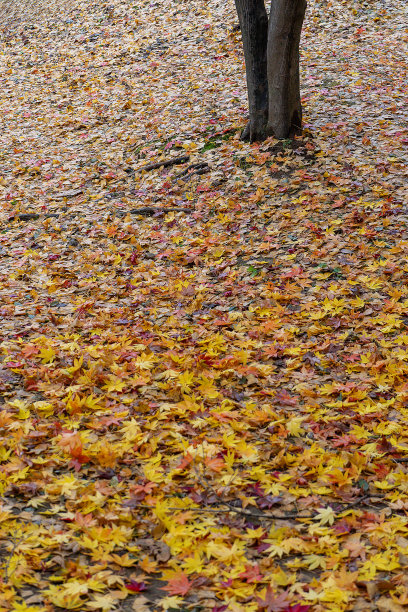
(147, 565)
(185, 461)
(179, 584)
(71, 443)
(29, 350)
(5, 419)
(215, 463)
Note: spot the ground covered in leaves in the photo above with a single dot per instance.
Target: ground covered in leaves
(203, 364)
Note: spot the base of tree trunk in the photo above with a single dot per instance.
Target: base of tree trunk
(255, 132)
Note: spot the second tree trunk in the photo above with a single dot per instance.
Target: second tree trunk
(271, 53)
(285, 27)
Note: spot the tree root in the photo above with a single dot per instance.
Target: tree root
(166, 163)
(149, 211)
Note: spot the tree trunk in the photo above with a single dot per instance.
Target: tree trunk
(254, 29)
(285, 27)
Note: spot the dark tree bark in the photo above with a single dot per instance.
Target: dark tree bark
(254, 29)
(271, 50)
(285, 27)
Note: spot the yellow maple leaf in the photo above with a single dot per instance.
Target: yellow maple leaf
(123, 560)
(67, 596)
(383, 485)
(294, 427)
(23, 414)
(325, 516)
(23, 607)
(193, 564)
(207, 388)
(45, 408)
(77, 365)
(314, 561)
(145, 361)
(114, 384)
(186, 380)
(173, 601)
(4, 453)
(147, 565)
(66, 484)
(131, 430)
(5, 515)
(282, 578)
(47, 355)
(227, 554)
(102, 602)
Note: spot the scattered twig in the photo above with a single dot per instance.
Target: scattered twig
(145, 211)
(33, 216)
(201, 168)
(148, 211)
(25, 217)
(242, 511)
(354, 503)
(165, 164)
(231, 508)
(208, 488)
(67, 194)
(8, 558)
(251, 514)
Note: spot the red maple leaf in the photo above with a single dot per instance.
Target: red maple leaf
(135, 586)
(251, 573)
(283, 397)
(273, 602)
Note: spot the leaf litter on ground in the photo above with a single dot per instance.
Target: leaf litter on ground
(204, 342)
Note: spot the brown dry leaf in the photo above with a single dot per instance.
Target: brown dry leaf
(386, 604)
(141, 604)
